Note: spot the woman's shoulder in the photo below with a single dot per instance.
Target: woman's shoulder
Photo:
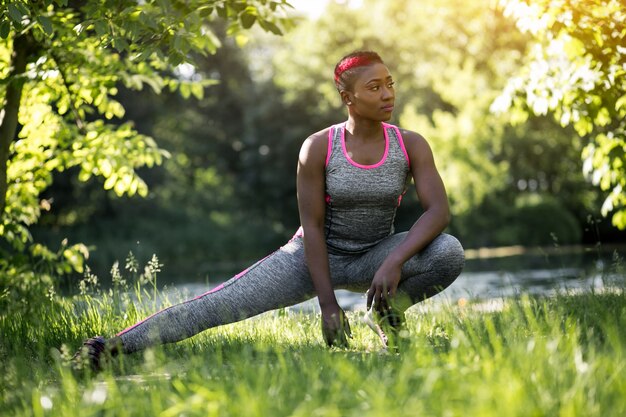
(315, 146)
(416, 145)
(318, 139)
(411, 138)
(321, 135)
(408, 134)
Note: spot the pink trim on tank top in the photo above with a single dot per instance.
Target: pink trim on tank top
(400, 141)
(329, 150)
(356, 164)
(400, 197)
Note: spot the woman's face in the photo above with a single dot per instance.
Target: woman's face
(372, 95)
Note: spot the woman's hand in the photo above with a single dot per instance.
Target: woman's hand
(335, 326)
(384, 286)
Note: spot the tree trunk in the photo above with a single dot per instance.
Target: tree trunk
(23, 46)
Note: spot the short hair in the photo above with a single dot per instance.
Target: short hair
(347, 66)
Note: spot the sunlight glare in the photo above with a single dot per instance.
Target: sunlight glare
(315, 8)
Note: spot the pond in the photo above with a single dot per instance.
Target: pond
(503, 272)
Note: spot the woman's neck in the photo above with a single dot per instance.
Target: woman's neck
(365, 130)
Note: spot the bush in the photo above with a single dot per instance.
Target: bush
(530, 220)
(543, 220)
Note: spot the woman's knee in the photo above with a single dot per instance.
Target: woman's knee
(450, 247)
(448, 256)
(443, 259)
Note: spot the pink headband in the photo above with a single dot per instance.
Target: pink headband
(352, 62)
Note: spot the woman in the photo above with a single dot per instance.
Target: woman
(351, 178)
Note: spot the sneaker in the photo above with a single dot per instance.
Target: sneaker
(91, 353)
(387, 328)
(370, 321)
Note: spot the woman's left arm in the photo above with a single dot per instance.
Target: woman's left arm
(432, 196)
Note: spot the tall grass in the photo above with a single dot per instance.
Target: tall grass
(532, 356)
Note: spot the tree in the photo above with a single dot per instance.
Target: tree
(62, 63)
(577, 72)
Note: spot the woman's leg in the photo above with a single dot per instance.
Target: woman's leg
(427, 273)
(281, 279)
(424, 275)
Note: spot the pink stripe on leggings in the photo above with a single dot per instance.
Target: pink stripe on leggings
(211, 291)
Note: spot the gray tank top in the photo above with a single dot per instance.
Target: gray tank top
(361, 200)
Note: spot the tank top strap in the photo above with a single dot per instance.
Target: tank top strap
(335, 133)
(335, 145)
(396, 140)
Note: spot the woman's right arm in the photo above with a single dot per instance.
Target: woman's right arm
(312, 208)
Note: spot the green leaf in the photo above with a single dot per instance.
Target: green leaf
(185, 90)
(14, 13)
(270, 27)
(177, 43)
(205, 11)
(209, 82)
(5, 28)
(583, 126)
(598, 37)
(101, 27)
(148, 21)
(620, 104)
(574, 48)
(197, 91)
(110, 182)
(241, 40)
(22, 8)
(233, 28)
(212, 42)
(173, 85)
(154, 82)
(120, 186)
(120, 44)
(247, 20)
(142, 189)
(619, 219)
(46, 24)
(237, 6)
(603, 117)
(84, 175)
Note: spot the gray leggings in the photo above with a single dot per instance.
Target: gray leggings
(282, 279)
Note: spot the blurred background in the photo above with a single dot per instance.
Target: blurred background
(226, 196)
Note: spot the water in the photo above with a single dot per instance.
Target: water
(512, 271)
(504, 272)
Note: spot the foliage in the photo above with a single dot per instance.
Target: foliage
(34, 274)
(537, 219)
(63, 63)
(216, 203)
(577, 72)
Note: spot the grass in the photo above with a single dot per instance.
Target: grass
(535, 356)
